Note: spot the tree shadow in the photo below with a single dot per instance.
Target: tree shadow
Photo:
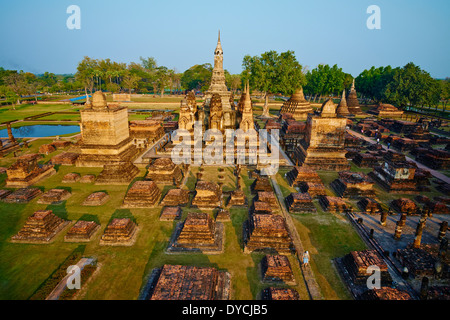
(89, 217)
(59, 210)
(122, 214)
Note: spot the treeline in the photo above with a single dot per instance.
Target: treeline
(269, 73)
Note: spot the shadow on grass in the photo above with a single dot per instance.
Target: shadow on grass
(122, 214)
(59, 210)
(89, 217)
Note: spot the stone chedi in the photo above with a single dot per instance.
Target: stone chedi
(237, 198)
(267, 231)
(405, 205)
(42, 226)
(164, 171)
(208, 195)
(277, 268)
(145, 132)
(176, 282)
(143, 194)
(219, 87)
(353, 185)
(352, 101)
(300, 203)
(297, 106)
(106, 141)
(260, 207)
(323, 145)
(342, 109)
(54, 196)
(176, 197)
(71, 177)
(215, 121)
(26, 171)
(82, 231)
(119, 232)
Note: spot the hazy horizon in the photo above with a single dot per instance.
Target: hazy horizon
(179, 35)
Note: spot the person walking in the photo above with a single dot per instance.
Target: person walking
(306, 258)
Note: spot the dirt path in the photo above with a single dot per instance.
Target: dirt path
(308, 275)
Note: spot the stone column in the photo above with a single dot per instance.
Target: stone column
(10, 135)
(399, 227)
(419, 231)
(443, 249)
(442, 230)
(383, 218)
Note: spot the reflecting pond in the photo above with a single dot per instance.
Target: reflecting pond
(40, 130)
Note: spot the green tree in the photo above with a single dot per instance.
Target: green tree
(130, 81)
(273, 73)
(197, 77)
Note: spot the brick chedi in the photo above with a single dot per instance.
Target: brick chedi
(358, 262)
(71, 177)
(302, 174)
(277, 268)
(145, 132)
(65, 158)
(267, 231)
(198, 228)
(22, 195)
(54, 196)
(42, 226)
(273, 293)
(315, 189)
(119, 232)
(164, 171)
(261, 183)
(198, 232)
(208, 195)
(268, 197)
(96, 199)
(82, 231)
(352, 101)
(26, 171)
(105, 135)
(370, 206)
(46, 149)
(297, 106)
(300, 203)
(170, 214)
(386, 110)
(323, 147)
(396, 176)
(106, 141)
(365, 160)
(176, 282)
(176, 197)
(405, 205)
(353, 185)
(387, 293)
(342, 109)
(260, 207)
(142, 194)
(333, 204)
(237, 198)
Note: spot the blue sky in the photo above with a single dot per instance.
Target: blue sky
(180, 34)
